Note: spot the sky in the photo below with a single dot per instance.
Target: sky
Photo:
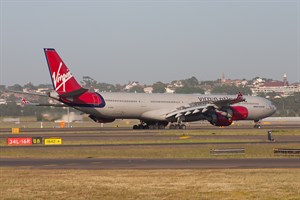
(149, 41)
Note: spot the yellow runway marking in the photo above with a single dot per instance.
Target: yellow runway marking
(184, 137)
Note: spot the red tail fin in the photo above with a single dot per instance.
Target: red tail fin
(62, 79)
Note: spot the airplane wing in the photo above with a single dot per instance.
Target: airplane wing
(203, 107)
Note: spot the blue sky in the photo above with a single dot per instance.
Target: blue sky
(149, 41)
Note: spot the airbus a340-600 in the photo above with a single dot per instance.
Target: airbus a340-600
(155, 111)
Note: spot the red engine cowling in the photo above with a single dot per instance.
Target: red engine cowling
(239, 112)
(225, 117)
(101, 120)
(218, 119)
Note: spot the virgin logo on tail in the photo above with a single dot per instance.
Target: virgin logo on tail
(60, 80)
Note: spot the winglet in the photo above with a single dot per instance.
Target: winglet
(239, 96)
(238, 99)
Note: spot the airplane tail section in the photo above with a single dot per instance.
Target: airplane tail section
(24, 101)
(68, 89)
(63, 81)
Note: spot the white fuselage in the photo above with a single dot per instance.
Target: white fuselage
(157, 106)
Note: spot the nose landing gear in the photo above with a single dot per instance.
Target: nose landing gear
(257, 123)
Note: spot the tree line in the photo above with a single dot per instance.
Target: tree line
(287, 106)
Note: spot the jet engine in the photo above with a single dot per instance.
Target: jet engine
(235, 113)
(217, 119)
(226, 116)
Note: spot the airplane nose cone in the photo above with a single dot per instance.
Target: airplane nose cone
(271, 108)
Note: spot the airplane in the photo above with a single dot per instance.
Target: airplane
(155, 111)
(25, 102)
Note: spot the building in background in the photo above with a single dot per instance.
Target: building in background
(281, 88)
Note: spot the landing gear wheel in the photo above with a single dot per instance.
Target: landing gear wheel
(257, 126)
(257, 123)
(182, 126)
(152, 127)
(177, 126)
(135, 127)
(172, 126)
(156, 126)
(161, 127)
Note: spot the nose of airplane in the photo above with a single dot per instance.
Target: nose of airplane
(271, 108)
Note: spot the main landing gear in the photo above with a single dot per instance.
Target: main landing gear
(177, 126)
(257, 123)
(150, 125)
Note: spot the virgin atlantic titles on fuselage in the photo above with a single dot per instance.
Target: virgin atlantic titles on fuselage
(155, 111)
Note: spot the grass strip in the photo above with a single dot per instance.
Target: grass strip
(150, 184)
(199, 151)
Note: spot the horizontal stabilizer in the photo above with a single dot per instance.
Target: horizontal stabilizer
(52, 105)
(74, 93)
(25, 102)
(27, 93)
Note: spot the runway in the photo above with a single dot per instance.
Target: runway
(96, 163)
(129, 129)
(125, 138)
(117, 137)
